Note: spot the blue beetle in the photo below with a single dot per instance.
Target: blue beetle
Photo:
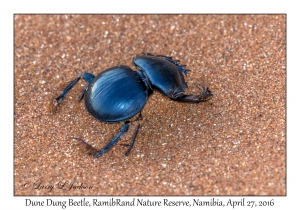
(119, 93)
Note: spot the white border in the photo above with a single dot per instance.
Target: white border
(153, 6)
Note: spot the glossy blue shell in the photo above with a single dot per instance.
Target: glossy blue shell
(162, 74)
(116, 94)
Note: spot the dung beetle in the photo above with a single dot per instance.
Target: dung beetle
(119, 93)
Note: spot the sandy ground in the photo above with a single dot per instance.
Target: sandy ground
(234, 144)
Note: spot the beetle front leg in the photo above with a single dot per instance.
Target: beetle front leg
(205, 96)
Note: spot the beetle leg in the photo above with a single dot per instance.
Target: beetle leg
(205, 95)
(123, 129)
(132, 140)
(90, 150)
(60, 98)
(83, 92)
(140, 117)
(86, 76)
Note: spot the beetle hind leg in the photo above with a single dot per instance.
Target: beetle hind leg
(82, 93)
(123, 129)
(90, 150)
(130, 145)
(86, 76)
(132, 140)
